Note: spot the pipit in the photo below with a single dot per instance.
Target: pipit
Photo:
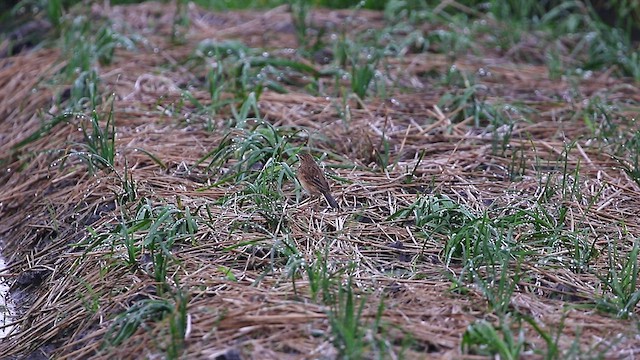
(312, 179)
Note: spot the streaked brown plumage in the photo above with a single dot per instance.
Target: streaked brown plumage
(312, 179)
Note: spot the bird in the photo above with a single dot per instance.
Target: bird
(312, 179)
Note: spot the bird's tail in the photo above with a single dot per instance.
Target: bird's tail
(331, 201)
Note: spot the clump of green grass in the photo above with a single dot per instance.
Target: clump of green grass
(621, 281)
(345, 306)
(435, 214)
(85, 43)
(129, 321)
(484, 338)
(363, 74)
(508, 340)
(98, 149)
(360, 61)
(346, 324)
(178, 324)
(152, 229)
(256, 154)
(241, 70)
(148, 311)
(349, 329)
(497, 282)
(180, 25)
(321, 279)
(630, 160)
(151, 233)
(299, 17)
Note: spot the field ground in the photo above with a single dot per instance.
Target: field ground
(488, 183)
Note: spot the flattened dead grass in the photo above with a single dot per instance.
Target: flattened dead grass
(68, 298)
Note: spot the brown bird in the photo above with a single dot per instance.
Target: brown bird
(312, 179)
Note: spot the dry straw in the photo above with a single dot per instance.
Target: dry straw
(68, 298)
